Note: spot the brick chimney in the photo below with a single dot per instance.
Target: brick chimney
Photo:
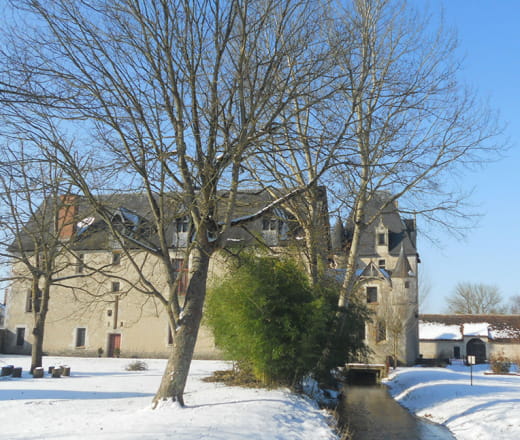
(67, 216)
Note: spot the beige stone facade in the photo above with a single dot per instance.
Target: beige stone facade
(111, 313)
(98, 314)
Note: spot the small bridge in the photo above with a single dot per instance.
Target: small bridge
(366, 374)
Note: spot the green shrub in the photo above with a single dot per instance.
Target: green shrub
(343, 335)
(266, 316)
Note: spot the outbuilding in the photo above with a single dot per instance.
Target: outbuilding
(457, 336)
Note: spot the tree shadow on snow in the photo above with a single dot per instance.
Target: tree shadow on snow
(37, 394)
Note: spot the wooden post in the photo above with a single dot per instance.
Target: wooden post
(56, 372)
(17, 372)
(471, 362)
(38, 372)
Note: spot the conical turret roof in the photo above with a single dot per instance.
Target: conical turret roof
(402, 268)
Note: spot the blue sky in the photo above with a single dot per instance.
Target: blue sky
(489, 38)
(489, 34)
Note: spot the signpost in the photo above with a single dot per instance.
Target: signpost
(471, 362)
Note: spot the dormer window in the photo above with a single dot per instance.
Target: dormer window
(270, 224)
(181, 229)
(182, 224)
(381, 237)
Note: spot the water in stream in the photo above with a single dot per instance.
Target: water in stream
(371, 414)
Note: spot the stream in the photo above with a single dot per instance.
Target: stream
(372, 414)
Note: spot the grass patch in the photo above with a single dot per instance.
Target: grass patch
(137, 366)
(235, 378)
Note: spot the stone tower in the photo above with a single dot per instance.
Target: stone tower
(388, 282)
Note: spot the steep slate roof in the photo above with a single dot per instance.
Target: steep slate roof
(92, 232)
(499, 328)
(400, 232)
(402, 267)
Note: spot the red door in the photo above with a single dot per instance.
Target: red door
(114, 345)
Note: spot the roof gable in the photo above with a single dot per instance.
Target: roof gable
(372, 271)
(401, 233)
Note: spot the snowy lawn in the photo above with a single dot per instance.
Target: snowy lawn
(102, 400)
(490, 409)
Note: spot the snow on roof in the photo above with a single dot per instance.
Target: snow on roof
(430, 331)
(503, 333)
(476, 329)
(437, 330)
(500, 328)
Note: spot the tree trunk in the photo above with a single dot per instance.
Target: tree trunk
(40, 308)
(185, 336)
(37, 346)
(312, 255)
(350, 276)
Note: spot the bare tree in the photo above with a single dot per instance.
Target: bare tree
(175, 96)
(413, 123)
(475, 299)
(425, 288)
(35, 233)
(515, 304)
(399, 321)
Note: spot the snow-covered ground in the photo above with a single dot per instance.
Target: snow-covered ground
(101, 400)
(490, 409)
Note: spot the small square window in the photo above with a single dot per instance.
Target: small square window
(116, 286)
(182, 224)
(407, 284)
(270, 224)
(361, 332)
(456, 352)
(181, 274)
(116, 258)
(371, 294)
(80, 264)
(20, 336)
(29, 301)
(80, 337)
(381, 264)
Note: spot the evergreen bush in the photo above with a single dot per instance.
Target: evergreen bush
(267, 317)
